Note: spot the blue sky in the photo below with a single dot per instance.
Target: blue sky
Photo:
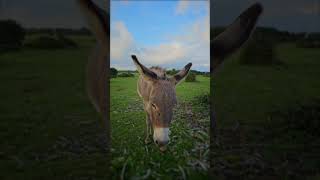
(165, 33)
(157, 27)
(290, 15)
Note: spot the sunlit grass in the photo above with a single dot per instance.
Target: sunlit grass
(188, 144)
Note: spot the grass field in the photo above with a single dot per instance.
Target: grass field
(188, 151)
(49, 129)
(266, 116)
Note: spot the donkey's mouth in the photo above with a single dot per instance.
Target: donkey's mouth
(163, 148)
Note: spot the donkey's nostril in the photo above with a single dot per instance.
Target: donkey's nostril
(162, 143)
(165, 142)
(156, 141)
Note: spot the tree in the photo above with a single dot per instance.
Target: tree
(260, 50)
(172, 72)
(12, 35)
(113, 72)
(191, 77)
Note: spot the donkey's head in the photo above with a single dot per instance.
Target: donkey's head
(161, 98)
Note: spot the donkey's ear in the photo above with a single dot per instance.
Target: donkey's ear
(97, 19)
(235, 34)
(144, 71)
(181, 74)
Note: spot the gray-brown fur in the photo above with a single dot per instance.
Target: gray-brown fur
(235, 35)
(96, 72)
(160, 92)
(161, 73)
(157, 91)
(228, 42)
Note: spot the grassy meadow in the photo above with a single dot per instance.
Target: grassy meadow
(49, 129)
(188, 151)
(268, 117)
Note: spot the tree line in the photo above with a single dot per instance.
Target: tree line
(12, 36)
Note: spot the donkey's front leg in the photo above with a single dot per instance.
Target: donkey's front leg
(148, 130)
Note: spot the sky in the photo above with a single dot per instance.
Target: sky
(288, 15)
(177, 20)
(44, 13)
(169, 34)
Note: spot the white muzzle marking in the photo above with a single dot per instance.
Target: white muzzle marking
(161, 134)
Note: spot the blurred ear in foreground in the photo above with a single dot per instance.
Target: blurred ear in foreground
(235, 34)
(97, 19)
(96, 74)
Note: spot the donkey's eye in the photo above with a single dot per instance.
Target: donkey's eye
(154, 106)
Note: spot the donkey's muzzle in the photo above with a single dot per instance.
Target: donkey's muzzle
(161, 143)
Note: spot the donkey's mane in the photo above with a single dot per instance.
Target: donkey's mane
(159, 71)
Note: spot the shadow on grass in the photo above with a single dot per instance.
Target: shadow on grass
(285, 147)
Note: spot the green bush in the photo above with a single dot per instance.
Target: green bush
(306, 43)
(45, 42)
(191, 77)
(113, 72)
(67, 42)
(172, 72)
(51, 42)
(259, 51)
(203, 99)
(12, 35)
(126, 74)
(59, 41)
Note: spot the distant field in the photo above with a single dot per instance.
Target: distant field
(258, 109)
(188, 151)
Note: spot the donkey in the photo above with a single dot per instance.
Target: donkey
(159, 98)
(158, 91)
(222, 46)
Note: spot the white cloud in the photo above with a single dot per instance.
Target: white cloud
(182, 7)
(123, 67)
(191, 45)
(164, 53)
(195, 7)
(121, 40)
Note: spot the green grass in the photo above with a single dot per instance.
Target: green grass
(250, 91)
(251, 142)
(48, 128)
(187, 141)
